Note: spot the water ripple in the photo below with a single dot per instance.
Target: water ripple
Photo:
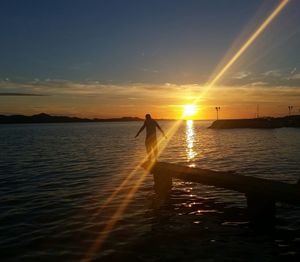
(55, 179)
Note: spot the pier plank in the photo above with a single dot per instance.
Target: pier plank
(270, 189)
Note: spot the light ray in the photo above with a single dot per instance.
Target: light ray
(169, 134)
(113, 220)
(245, 46)
(118, 213)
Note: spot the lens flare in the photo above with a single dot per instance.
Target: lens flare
(98, 242)
(120, 210)
(245, 46)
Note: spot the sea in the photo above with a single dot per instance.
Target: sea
(76, 192)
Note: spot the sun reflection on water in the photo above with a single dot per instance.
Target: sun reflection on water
(190, 139)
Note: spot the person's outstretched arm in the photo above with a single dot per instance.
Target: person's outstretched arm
(141, 129)
(160, 129)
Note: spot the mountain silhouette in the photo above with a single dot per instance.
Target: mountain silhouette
(46, 118)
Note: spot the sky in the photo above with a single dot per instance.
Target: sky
(96, 58)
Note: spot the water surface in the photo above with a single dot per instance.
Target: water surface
(56, 178)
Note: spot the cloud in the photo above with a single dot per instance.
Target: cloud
(88, 88)
(242, 96)
(241, 75)
(293, 70)
(158, 93)
(273, 73)
(20, 94)
(258, 83)
(271, 78)
(149, 70)
(295, 77)
(93, 98)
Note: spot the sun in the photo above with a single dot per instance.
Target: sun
(189, 110)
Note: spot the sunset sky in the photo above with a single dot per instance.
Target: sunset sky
(114, 58)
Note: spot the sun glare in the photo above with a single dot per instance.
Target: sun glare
(189, 110)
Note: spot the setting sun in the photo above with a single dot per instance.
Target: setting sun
(189, 110)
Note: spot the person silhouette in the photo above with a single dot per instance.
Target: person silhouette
(150, 141)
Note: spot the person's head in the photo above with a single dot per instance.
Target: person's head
(148, 116)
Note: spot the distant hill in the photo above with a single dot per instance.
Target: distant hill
(266, 122)
(45, 118)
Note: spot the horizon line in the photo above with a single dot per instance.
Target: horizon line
(136, 117)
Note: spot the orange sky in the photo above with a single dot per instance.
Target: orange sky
(162, 101)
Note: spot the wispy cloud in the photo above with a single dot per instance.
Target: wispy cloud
(149, 70)
(63, 87)
(94, 88)
(92, 98)
(20, 94)
(241, 75)
(271, 78)
(293, 71)
(273, 73)
(258, 83)
(295, 76)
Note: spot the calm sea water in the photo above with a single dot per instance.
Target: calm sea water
(57, 195)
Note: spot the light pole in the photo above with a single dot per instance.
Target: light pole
(290, 109)
(217, 109)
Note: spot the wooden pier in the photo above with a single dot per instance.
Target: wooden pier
(261, 194)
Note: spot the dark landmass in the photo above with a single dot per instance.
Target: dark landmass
(266, 122)
(45, 118)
